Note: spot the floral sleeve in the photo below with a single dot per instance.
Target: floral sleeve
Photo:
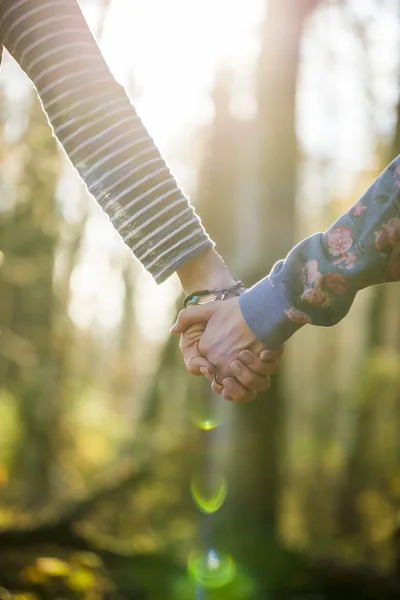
(318, 280)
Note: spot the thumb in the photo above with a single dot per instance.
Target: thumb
(191, 316)
(201, 366)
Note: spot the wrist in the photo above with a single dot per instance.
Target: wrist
(269, 314)
(206, 271)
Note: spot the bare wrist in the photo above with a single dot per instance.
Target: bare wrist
(206, 271)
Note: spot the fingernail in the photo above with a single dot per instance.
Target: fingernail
(229, 384)
(173, 329)
(237, 368)
(246, 357)
(205, 371)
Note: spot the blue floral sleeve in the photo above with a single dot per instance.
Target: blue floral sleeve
(318, 280)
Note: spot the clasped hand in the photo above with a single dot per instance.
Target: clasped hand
(217, 342)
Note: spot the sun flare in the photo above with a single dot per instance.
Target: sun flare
(171, 51)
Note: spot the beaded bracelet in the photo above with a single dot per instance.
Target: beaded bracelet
(202, 296)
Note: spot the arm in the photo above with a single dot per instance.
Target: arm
(316, 283)
(102, 135)
(321, 276)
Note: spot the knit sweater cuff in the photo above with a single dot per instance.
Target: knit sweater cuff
(267, 311)
(177, 259)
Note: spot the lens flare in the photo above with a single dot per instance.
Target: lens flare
(206, 499)
(208, 424)
(210, 569)
(204, 414)
(241, 587)
(204, 422)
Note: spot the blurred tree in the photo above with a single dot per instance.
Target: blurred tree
(218, 173)
(383, 327)
(278, 70)
(247, 192)
(29, 234)
(383, 322)
(37, 335)
(258, 430)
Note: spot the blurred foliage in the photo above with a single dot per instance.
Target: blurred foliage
(122, 481)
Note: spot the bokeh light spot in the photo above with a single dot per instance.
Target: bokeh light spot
(208, 498)
(203, 414)
(209, 424)
(211, 569)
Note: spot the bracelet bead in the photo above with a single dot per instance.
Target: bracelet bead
(199, 296)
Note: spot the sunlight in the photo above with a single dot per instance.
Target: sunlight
(172, 51)
(166, 55)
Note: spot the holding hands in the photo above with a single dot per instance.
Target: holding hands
(217, 342)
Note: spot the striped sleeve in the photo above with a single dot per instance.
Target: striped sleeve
(101, 132)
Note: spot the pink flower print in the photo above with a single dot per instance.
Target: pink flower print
(381, 239)
(393, 232)
(336, 283)
(347, 261)
(339, 240)
(359, 209)
(311, 274)
(389, 235)
(394, 264)
(317, 297)
(297, 315)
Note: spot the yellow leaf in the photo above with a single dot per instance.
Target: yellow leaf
(33, 575)
(53, 567)
(81, 581)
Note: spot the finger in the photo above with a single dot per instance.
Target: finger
(250, 380)
(191, 316)
(199, 365)
(189, 346)
(272, 355)
(237, 391)
(253, 362)
(226, 395)
(216, 387)
(208, 372)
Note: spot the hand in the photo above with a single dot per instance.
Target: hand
(205, 271)
(209, 271)
(252, 373)
(254, 369)
(213, 335)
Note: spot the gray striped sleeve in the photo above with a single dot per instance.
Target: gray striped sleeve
(101, 132)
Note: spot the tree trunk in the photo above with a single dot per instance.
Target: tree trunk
(383, 330)
(29, 370)
(258, 428)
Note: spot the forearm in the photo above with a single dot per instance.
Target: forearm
(101, 133)
(321, 276)
(207, 271)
